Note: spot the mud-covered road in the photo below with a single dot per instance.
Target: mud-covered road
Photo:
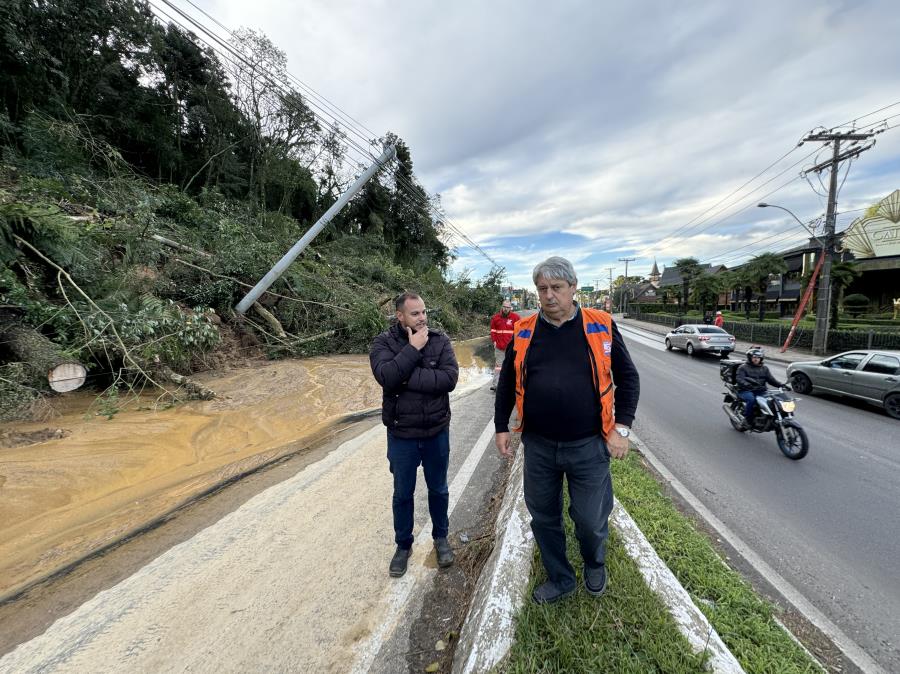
(291, 579)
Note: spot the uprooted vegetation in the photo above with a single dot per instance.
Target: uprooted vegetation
(147, 181)
(138, 281)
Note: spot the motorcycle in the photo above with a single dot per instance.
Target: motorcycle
(774, 412)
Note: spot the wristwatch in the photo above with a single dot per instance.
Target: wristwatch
(624, 431)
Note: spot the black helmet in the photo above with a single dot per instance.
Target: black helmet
(756, 352)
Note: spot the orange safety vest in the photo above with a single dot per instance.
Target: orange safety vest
(598, 330)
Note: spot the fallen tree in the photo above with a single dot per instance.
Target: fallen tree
(42, 356)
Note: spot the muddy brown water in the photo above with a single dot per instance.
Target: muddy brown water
(97, 480)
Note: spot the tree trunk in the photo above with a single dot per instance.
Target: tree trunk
(194, 389)
(269, 318)
(44, 358)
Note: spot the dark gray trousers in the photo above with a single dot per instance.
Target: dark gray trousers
(585, 464)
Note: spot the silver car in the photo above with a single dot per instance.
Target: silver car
(700, 338)
(870, 375)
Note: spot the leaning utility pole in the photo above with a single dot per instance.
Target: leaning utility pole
(823, 301)
(626, 260)
(389, 153)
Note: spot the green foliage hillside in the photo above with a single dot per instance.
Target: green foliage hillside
(145, 185)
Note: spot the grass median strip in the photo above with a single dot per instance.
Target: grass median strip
(745, 621)
(629, 629)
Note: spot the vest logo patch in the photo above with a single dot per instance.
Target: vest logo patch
(596, 327)
(607, 347)
(524, 334)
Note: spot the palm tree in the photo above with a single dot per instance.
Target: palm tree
(842, 275)
(689, 269)
(729, 280)
(706, 290)
(758, 272)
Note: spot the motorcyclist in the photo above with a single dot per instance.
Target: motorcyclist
(752, 378)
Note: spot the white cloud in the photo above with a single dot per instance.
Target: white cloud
(615, 122)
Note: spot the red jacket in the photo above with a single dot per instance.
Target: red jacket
(719, 321)
(502, 329)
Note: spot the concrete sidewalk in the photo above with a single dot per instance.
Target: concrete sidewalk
(792, 355)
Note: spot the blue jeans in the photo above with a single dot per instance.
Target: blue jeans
(404, 456)
(585, 464)
(749, 398)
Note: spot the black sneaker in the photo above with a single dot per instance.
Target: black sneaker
(399, 561)
(595, 580)
(548, 592)
(444, 552)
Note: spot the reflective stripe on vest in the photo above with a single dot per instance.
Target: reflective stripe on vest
(598, 332)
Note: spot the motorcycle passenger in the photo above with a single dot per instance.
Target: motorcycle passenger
(752, 377)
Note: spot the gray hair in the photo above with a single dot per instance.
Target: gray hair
(555, 268)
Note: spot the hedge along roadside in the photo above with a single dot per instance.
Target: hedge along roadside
(775, 334)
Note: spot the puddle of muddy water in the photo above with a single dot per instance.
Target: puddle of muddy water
(98, 479)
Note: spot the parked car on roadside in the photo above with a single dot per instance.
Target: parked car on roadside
(700, 339)
(869, 375)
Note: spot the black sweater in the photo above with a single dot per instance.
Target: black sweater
(561, 402)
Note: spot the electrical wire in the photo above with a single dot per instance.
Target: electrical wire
(362, 150)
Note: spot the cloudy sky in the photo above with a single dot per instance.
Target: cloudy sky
(595, 130)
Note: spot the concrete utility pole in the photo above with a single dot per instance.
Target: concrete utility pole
(823, 301)
(285, 262)
(626, 260)
(610, 270)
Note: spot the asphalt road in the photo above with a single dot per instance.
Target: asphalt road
(828, 524)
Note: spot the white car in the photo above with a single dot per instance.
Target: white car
(700, 338)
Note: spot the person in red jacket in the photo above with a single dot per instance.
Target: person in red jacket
(501, 334)
(719, 322)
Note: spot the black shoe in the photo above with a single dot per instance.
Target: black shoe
(595, 580)
(493, 388)
(399, 561)
(444, 552)
(548, 592)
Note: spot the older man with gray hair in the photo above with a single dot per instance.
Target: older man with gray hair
(569, 375)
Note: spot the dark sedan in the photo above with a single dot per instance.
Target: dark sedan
(869, 375)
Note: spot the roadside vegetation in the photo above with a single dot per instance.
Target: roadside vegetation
(146, 185)
(629, 628)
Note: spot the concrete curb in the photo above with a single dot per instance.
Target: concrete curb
(489, 627)
(487, 633)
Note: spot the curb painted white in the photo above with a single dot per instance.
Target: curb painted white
(851, 650)
(691, 621)
(489, 628)
(487, 633)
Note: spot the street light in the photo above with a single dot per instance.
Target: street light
(823, 310)
(802, 224)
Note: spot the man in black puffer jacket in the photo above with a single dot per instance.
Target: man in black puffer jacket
(417, 369)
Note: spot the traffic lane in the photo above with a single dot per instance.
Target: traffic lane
(827, 524)
(847, 447)
(854, 424)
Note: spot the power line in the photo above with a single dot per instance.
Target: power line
(400, 179)
(730, 205)
(727, 196)
(868, 114)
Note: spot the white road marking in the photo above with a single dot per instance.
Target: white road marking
(399, 594)
(848, 647)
